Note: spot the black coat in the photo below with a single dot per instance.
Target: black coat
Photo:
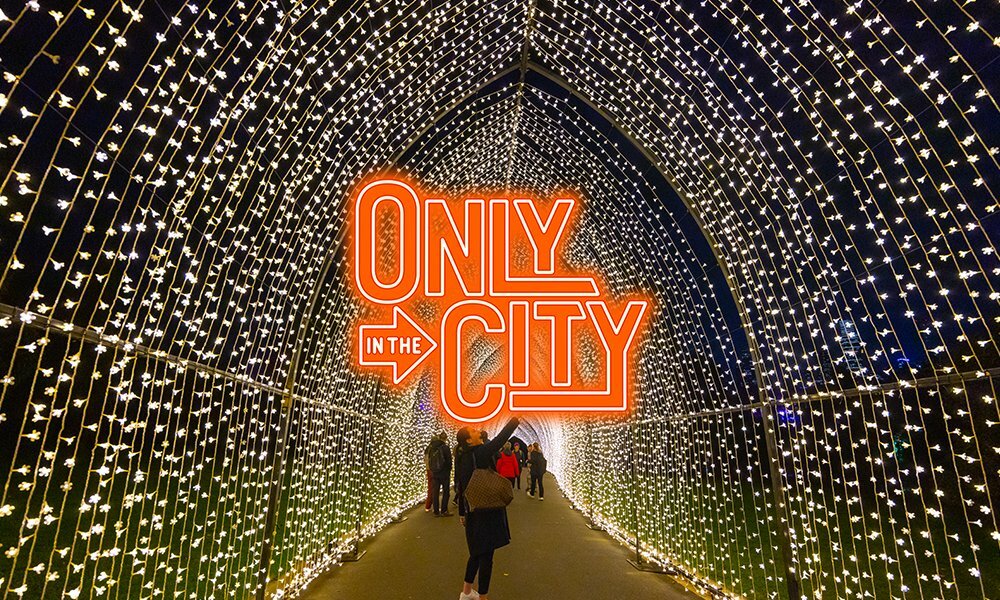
(437, 445)
(538, 463)
(485, 530)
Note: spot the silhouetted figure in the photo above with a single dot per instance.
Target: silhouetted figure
(536, 468)
(522, 461)
(430, 479)
(439, 463)
(485, 530)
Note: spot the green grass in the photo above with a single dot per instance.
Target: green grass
(731, 537)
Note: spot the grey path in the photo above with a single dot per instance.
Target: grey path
(552, 555)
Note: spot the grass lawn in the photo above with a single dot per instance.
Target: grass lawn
(730, 537)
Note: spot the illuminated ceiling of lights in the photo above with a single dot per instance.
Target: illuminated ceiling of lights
(806, 188)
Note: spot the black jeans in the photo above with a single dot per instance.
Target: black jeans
(439, 501)
(537, 479)
(517, 483)
(483, 564)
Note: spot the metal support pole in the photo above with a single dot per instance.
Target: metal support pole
(590, 481)
(639, 562)
(635, 494)
(273, 494)
(778, 496)
(356, 552)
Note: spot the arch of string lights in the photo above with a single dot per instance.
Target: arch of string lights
(806, 189)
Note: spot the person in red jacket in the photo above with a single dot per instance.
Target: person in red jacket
(508, 465)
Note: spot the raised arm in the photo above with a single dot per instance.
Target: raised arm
(493, 446)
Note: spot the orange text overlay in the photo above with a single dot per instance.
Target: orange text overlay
(475, 293)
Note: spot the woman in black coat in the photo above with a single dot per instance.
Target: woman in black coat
(485, 530)
(538, 466)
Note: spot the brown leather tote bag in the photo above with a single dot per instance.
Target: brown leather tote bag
(487, 489)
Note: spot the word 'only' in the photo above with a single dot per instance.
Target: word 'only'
(511, 324)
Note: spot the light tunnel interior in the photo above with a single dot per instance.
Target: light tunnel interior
(806, 191)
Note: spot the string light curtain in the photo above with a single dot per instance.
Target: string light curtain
(690, 359)
(806, 190)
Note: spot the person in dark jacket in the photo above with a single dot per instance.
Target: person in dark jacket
(430, 480)
(454, 486)
(522, 461)
(485, 530)
(537, 466)
(439, 463)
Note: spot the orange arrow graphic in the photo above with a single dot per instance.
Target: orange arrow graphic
(402, 345)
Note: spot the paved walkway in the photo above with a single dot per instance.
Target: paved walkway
(552, 555)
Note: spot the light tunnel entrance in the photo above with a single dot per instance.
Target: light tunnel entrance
(805, 191)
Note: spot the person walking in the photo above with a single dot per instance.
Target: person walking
(430, 479)
(454, 456)
(485, 530)
(439, 464)
(537, 466)
(522, 461)
(527, 464)
(508, 465)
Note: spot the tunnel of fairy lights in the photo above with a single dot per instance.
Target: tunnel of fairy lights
(806, 189)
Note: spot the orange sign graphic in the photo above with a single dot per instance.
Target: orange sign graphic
(476, 293)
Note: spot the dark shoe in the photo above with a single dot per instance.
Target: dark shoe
(446, 514)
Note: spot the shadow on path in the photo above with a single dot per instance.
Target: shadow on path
(552, 555)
